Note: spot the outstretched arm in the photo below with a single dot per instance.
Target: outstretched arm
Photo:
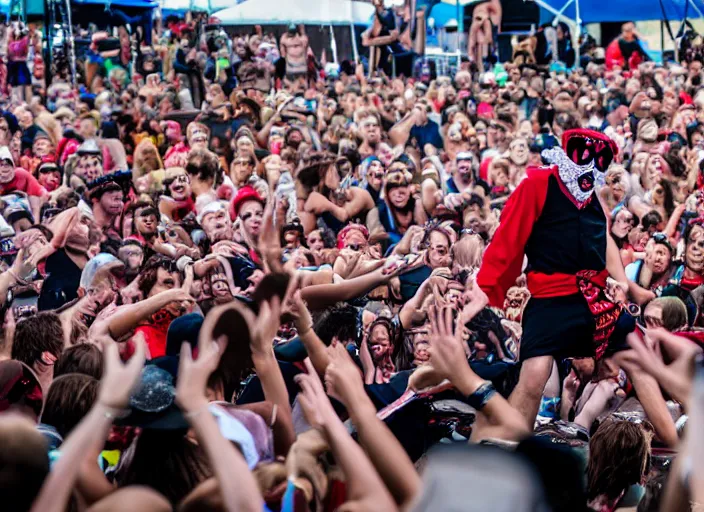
(503, 259)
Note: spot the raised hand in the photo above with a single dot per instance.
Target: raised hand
(342, 377)
(193, 374)
(263, 330)
(296, 308)
(315, 403)
(447, 355)
(119, 380)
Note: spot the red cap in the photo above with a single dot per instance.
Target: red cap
(243, 195)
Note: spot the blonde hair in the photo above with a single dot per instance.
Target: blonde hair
(468, 251)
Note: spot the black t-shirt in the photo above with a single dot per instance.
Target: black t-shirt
(429, 133)
(62, 281)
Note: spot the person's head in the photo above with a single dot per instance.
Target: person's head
(216, 222)
(177, 184)
(616, 180)
(49, 176)
(694, 252)
(20, 390)
(660, 251)
(83, 358)
(159, 274)
(621, 223)
(422, 110)
(88, 126)
(398, 187)
(202, 169)
(8, 127)
(248, 206)
(88, 167)
(437, 243)
(145, 220)
(197, 135)
(619, 456)
(244, 145)
(353, 236)
(69, 399)
(7, 165)
(369, 126)
(251, 214)
(131, 253)
(467, 253)
(38, 342)
(109, 198)
(667, 312)
(338, 322)
(628, 31)
(242, 168)
(464, 167)
(652, 222)
(519, 151)
(381, 339)
(41, 144)
(166, 461)
(315, 241)
(24, 462)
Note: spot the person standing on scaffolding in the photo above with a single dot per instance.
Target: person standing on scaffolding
(384, 43)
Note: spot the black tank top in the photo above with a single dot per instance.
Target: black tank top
(567, 239)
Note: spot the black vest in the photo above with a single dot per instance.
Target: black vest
(566, 239)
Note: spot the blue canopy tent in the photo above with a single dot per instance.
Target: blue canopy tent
(583, 12)
(593, 11)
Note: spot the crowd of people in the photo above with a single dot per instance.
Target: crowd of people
(238, 277)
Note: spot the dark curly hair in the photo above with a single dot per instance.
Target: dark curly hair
(147, 277)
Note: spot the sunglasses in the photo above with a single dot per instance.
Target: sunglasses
(583, 150)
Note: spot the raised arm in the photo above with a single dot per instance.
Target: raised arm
(127, 317)
(323, 295)
(401, 131)
(115, 389)
(363, 483)
(495, 416)
(241, 493)
(386, 453)
(262, 332)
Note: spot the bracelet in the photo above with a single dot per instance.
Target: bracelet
(481, 396)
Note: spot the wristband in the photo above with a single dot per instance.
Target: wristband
(481, 396)
(183, 262)
(113, 413)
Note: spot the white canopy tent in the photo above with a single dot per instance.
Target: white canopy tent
(308, 12)
(305, 12)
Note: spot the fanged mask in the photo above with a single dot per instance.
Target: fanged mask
(581, 165)
(580, 180)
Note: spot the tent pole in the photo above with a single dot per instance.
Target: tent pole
(355, 52)
(696, 8)
(662, 41)
(551, 9)
(333, 45)
(459, 24)
(579, 32)
(560, 13)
